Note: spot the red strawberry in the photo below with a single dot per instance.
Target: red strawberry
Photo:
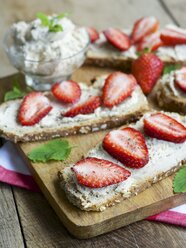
(86, 107)
(67, 91)
(33, 108)
(117, 38)
(144, 27)
(172, 36)
(164, 127)
(180, 78)
(151, 41)
(93, 34)
(118, 86)
(128, 146)
(98, 173)
(147, 69)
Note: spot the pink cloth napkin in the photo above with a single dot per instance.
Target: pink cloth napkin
(14, 171)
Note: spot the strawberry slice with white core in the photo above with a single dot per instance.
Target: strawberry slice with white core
(164, 127)
(67, 91)
(97, 173)
(117, 38)
(118, 86)
(87, 107)
(180, 78)
(144, 27)
(152, 42)
(173, 35)
(93, 34)
(128, 146)
(33, 108)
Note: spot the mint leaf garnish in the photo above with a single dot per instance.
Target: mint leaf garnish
(16, 92)
(43, 18)
(56, 28)
(172, 67)
(179, 183)
(51, 23)
(52, 150)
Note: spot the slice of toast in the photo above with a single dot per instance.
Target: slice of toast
(169, 96)
(55, 125)
(101, 53)
(165, 158)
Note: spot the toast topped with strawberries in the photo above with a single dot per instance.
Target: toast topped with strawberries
(117, 48)
(72, 108)
(127, 161)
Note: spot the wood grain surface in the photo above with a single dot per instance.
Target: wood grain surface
(10, 232)
(176, 10)
(40, 225)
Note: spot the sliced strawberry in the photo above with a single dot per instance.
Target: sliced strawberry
(144, 27)
(67, 91)
(164, 127)
(33, 108)
(117, 38)
(128, 146)
(84, 108)
(152, 41)
(118, 86)
(93, 34)
(180, 78)
(98, 173)
(173, 35)
(147, 69)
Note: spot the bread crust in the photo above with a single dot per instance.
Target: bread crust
(108, 61)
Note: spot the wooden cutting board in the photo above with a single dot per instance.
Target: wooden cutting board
(83, 224)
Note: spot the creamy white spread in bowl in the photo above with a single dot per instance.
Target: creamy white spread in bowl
(44, 55)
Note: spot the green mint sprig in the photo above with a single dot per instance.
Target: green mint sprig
(172, 67)
(16, 92)
(179, 182)
(52, 150)
(51, 23)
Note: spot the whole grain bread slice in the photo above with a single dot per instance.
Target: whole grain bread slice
(55, 125)
(165, 159)
(77, 199)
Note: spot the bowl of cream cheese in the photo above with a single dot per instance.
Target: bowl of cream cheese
(47, 50)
